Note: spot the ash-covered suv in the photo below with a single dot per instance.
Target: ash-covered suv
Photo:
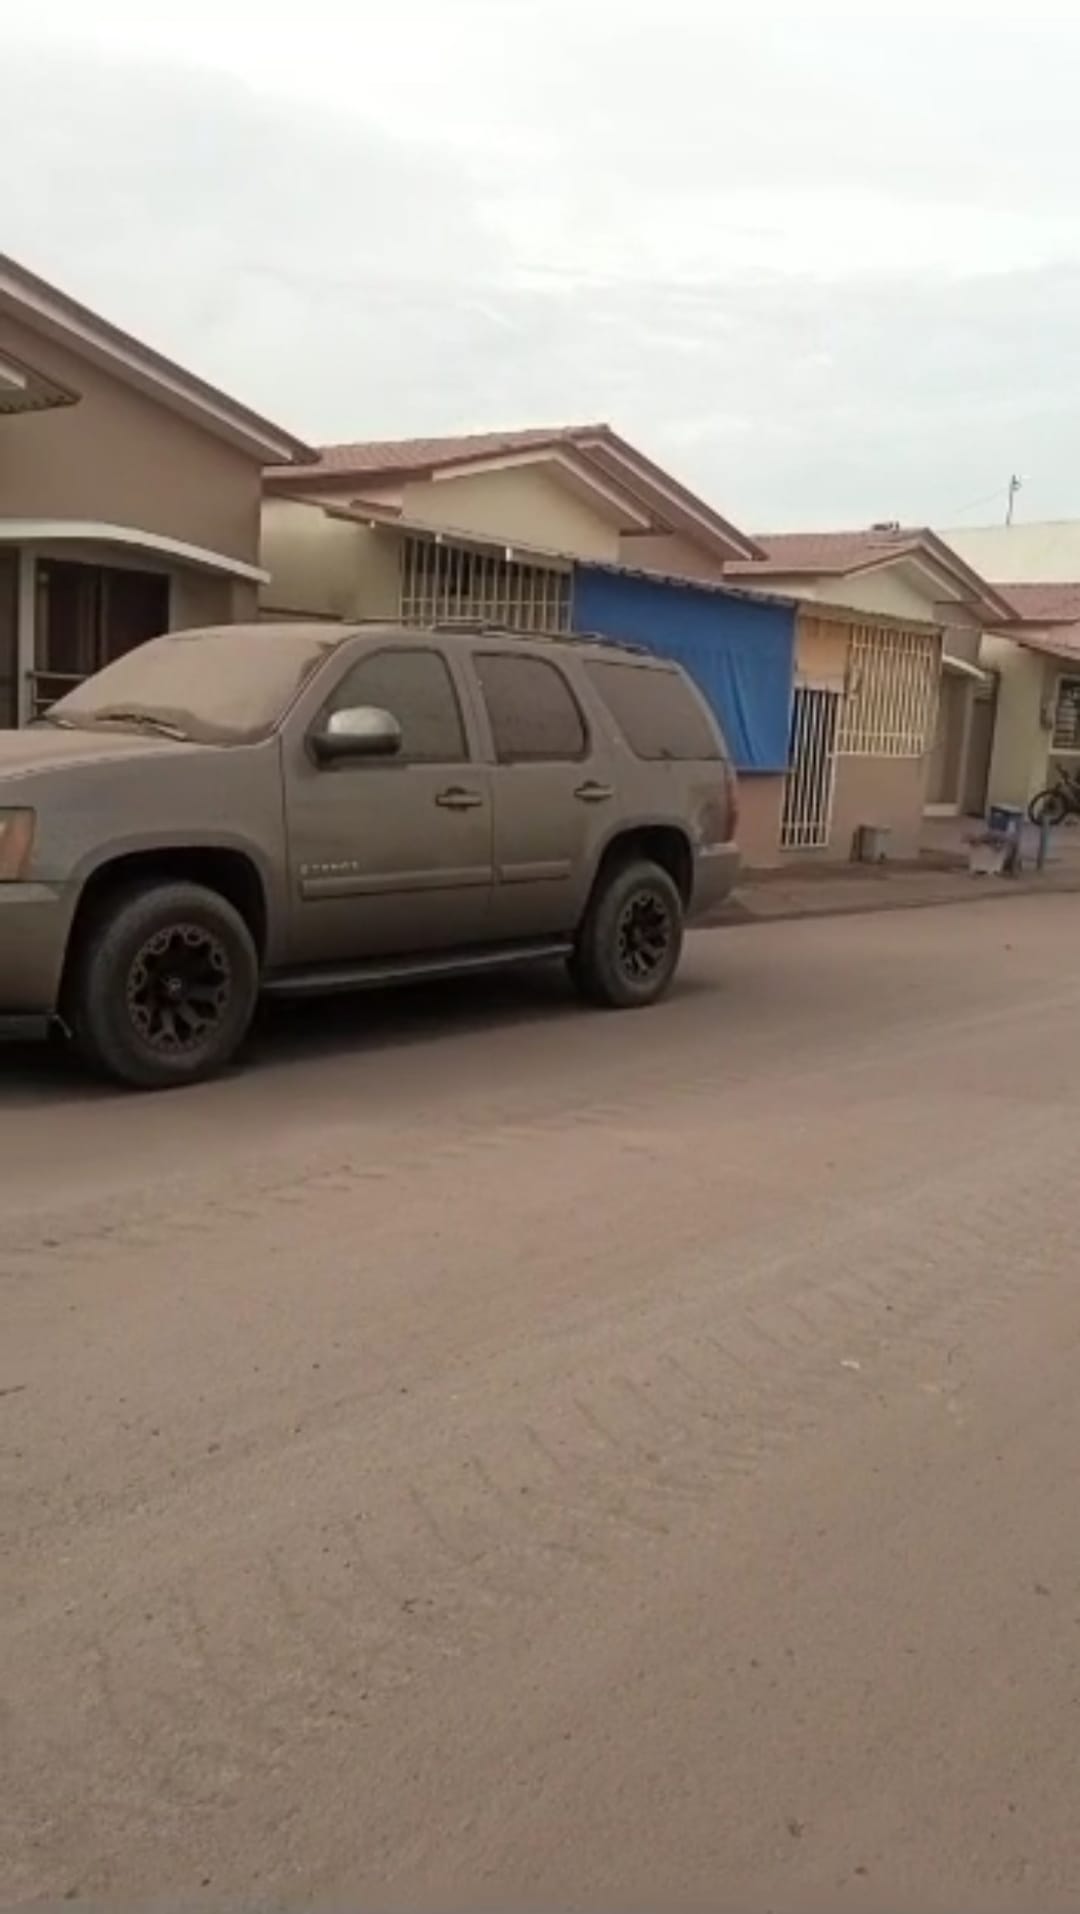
(301, 808)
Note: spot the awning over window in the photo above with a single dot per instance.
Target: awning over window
(85, 531)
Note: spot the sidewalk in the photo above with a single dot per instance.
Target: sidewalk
(940, 877)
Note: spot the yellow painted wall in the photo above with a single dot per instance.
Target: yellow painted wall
(1018, 761)
(521, 503)
(326, 568)
(893, 590)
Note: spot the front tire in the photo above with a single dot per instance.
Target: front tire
(629, 944)
(1049, 807)
(165, 986)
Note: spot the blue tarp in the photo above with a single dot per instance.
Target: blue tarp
(740, 652)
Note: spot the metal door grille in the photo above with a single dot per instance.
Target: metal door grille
(808, 791)
(443, 584)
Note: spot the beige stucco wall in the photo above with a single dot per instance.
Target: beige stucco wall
(761, 798)
(896, 591)
(886, 792)
(888, 591)
(669, 552)
(312, 560)
(198, 598)
(1018, 761)
(121, 458)
(522, 503)
(324, 567)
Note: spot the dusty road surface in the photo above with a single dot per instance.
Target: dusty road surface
(490, 1453)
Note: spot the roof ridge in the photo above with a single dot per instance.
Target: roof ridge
(55, 308)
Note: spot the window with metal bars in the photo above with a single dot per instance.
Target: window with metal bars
(445, 584)
(892, 687)
(1066, 733)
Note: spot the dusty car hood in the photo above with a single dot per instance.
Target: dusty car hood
(47, 748)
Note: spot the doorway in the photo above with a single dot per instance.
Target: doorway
(811, 778)
(88, 615)
(980, 750)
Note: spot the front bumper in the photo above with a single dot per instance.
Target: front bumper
(35, 920)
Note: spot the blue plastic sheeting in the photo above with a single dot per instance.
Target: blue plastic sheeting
(741, 653)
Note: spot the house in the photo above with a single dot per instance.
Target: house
(1035, 657)
(1036, 663)
(130, 494)
(549, 529)
(915, 693)
(829, 707)
(427, 526)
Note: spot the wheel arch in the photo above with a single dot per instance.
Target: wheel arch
(665, 844)
(225, 869)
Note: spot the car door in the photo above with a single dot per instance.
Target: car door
(391, 855)
(553, 791)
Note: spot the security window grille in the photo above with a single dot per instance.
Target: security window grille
(891, 697)
(445, 584)
(1066, 735)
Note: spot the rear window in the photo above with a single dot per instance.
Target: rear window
(655, 710)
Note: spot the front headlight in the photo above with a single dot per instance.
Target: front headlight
(16, 844)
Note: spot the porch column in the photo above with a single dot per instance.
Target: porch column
(25, 636)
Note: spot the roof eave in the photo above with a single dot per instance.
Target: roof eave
(62, 318)
(669, 495)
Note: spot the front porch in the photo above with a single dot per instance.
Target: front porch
(75, 597)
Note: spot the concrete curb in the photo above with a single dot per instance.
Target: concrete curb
(745, 906)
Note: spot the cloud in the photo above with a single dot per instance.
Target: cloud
(825, 269)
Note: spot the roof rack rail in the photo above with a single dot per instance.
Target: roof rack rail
(485, 625)
(482, 626)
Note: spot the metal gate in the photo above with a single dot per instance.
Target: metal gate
(808, 790)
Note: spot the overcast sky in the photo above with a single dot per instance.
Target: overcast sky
(821, 260)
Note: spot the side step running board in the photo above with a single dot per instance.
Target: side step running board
(325, 980)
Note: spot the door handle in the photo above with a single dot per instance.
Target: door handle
(593, 793)
(457, 798)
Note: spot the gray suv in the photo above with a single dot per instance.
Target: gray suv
(307, 808)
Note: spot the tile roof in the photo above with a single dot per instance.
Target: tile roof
(838, 552)
(1044, 604)
(372, 457)
(652, 498)
(1060, 641)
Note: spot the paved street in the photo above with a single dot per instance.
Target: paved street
(491, 1452)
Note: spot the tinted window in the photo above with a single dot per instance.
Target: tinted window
(534, 714)
(656, 711)
(417, 689)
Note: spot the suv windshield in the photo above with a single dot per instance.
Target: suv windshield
(228, 685)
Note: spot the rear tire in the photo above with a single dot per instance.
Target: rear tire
(630, 940)
(164, 987)
(1049, 807)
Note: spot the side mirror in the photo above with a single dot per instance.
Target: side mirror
(365, 732)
